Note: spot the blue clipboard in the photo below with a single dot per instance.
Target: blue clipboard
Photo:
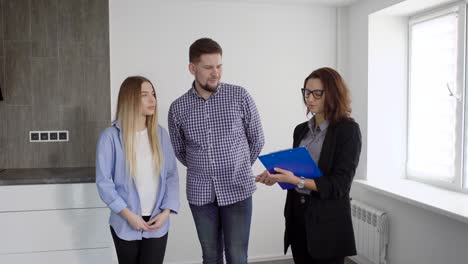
(296, 160)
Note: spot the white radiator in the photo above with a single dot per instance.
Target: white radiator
(371, 233)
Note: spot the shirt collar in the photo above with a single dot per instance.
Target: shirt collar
(116, 124)
(321, 127)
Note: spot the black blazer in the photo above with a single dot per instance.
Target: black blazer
(328, 215)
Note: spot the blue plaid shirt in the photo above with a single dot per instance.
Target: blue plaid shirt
(218, 140)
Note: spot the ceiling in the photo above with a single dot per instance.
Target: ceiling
(317, 2)
(292, 2)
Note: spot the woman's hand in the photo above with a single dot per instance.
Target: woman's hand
(159, 220)
(134, 220)
(281, 176)
(284, 176)
(265, 178)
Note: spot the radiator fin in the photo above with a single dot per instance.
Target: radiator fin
(371, 232)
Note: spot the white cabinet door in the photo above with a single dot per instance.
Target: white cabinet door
(34, 231)
(86, 256)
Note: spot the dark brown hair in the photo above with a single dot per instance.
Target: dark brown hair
(337, 105)
(203, 46)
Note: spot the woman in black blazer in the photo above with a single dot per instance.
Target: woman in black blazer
(317, 212)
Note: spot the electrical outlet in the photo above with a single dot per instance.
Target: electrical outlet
(44, 136)
(48, 136)
(63, 135)
(53, 136)
(33, 136)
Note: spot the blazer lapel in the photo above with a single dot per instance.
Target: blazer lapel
(328, 147)
(302, 133)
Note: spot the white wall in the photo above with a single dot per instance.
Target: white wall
(387, 96)
(417, 236)
(268, 48)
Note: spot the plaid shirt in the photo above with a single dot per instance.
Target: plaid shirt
(218, 140)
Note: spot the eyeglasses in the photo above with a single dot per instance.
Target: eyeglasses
(317, 94)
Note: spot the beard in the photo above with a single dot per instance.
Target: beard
(208, 88)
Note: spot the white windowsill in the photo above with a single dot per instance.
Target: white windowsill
(445, 202)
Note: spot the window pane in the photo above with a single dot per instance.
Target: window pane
(432, 118)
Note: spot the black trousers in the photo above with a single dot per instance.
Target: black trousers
(145, 251)
(298, 235)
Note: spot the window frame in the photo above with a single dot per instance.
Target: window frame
(460, 183)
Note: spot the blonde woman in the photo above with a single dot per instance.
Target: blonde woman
(136, 175)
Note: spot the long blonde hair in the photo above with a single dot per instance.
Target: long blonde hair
(128, 111)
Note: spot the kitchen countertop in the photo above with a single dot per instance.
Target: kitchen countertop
(47, 176)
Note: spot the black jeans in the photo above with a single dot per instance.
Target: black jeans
(145, 251)
(298, 235)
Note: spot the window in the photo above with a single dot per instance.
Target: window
(436, 98)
